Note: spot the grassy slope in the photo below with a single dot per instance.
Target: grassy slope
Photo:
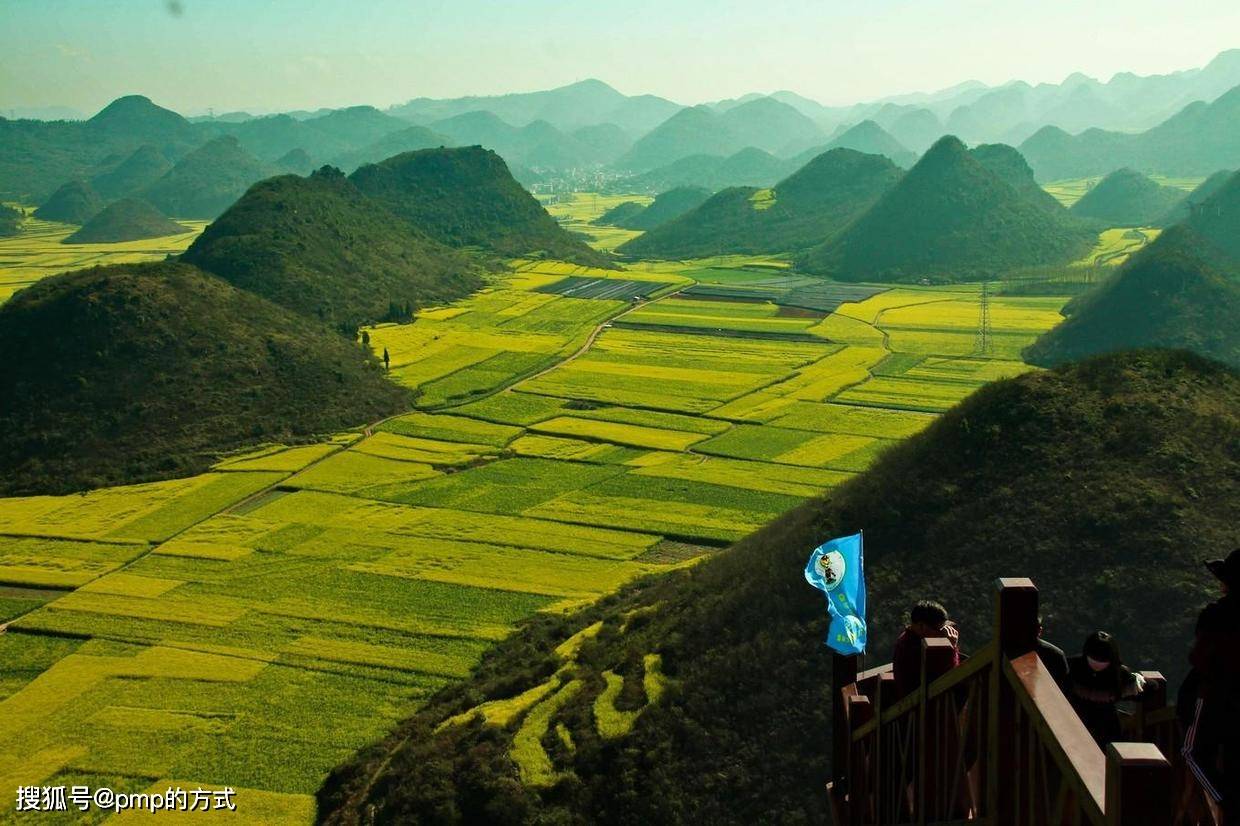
(742, 733)
(950, 218)
(166, 366)
(319, 247)
(467, 197)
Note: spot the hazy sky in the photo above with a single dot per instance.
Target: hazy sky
(270, 55)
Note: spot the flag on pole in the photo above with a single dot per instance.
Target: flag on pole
(837, 568)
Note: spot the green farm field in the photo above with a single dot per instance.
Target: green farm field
(1069, 191)
(38, 252)
(258, 624)
(575, 211)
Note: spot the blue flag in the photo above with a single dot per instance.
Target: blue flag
(837, 568)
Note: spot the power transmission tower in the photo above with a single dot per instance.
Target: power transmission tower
(984, 345)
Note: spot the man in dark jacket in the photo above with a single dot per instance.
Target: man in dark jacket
(928, 619)
(1212, 742)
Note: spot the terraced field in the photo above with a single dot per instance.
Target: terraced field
(38, 252)
(255, 625)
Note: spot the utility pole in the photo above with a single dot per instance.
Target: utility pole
(984, 344)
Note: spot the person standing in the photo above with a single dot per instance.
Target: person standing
(1212, 740)
(1097, 681)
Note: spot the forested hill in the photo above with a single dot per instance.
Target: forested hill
(1181, 291)
(467, 197)
(803, 210)
(128, 219)
(951, 217)
(137, 372)
(703, 695)
(322, 249)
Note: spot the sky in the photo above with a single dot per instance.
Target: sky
(275, 55)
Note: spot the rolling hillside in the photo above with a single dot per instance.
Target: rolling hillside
(667, 206)
(206, 181)
(141, 169)
(409, 139)
(704, 695)
(870, 138)
(1126, 198)
(73, 203)
(1183, 291)
(125, 220)
(949, 218)
(1178, 293)
(693, 131)
(1199, 139)
(36, 157)
(1010, 166)
(1182, 210)
(320, 248)
(467, 197)
(571, 107)
(748, 167)
(801, 211)
(166, 367)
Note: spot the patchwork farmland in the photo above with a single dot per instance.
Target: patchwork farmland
(256, 625)
(38, 252)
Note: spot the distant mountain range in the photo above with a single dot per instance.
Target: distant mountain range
(568, 107)
(1181, 124)
(1198, 140)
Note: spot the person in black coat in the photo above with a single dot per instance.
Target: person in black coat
(1097, 681)
(1212, 739)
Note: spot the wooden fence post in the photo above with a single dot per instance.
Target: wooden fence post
(861, 766)
(843, 672)
(937, 655)
(1015, 633)
(1139, 786)
(1153, 698)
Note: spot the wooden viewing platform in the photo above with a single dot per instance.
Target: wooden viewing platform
(994, 740)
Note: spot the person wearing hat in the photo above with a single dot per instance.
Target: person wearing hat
(1097, 680)
(1212, 740)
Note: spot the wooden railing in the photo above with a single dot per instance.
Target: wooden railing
(994, 740)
